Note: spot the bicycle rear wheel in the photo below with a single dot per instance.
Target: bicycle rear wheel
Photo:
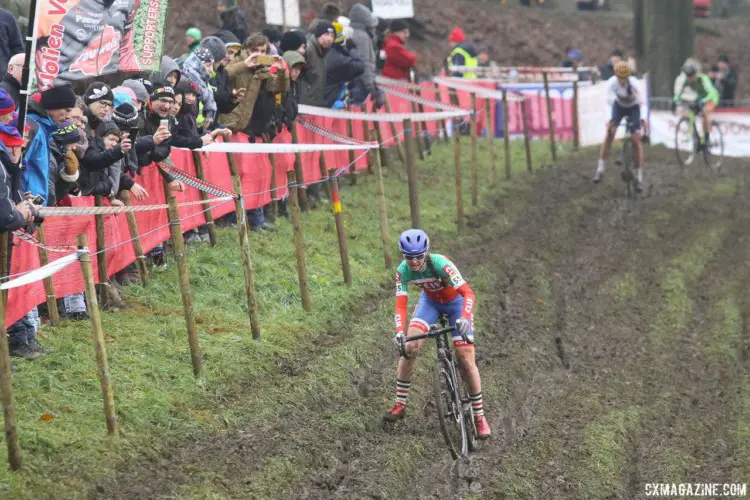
(684, 142)
(714, 152)
(445, 389)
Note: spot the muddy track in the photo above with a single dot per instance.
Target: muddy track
(560, 321)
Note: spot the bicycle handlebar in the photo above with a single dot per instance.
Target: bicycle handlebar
(434, 332)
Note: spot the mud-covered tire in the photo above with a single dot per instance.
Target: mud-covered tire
(683, 136)
(449, 410)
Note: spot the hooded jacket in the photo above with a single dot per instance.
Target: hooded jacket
(167, 66)
(314, 78)
(342, 66)
(398, 60)
(361, 20)
(10, 218)
(101, 167)
(35, 177)
(194, 70)
(234, 20)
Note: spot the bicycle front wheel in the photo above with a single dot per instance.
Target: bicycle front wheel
(714, 152)
(684, 142)
(445, 388)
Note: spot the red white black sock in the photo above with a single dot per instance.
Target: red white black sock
(476, 404)
(402, 390)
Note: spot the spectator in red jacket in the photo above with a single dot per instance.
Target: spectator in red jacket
(398, 60)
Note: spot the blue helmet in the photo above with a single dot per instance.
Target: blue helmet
(413, 242)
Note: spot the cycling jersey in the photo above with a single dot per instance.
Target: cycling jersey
(443, 285)
(626, 95)
(703, 87)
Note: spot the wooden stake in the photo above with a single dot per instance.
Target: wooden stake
(506, 135)
(370, 152)
(382, 210)
(420, 144)
(97, 334)
(140, 259)
(439, 98)
(101, 257)
(526, 143)
(459, 176)
(411, 173)
(242, 228)
(299, 241)
(382, 151)
(178, 244)
(352, 157)
(394, 132)
(49, 287)
(6, 380)
(324, 174)
(340, 230)
(553, 149)
(576, 124)
(274, 187)
(473, 135)
(298, 173)
(490, 140)
(198, 162)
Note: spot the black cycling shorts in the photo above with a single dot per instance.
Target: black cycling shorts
(633, 114)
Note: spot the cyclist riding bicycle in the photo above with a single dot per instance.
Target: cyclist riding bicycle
(708, 96)
(444, 291)
(625, 100)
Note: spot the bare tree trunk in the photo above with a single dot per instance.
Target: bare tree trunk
(664, 34)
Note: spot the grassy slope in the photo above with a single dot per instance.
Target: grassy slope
(158, 400)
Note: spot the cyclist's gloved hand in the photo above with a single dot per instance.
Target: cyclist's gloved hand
(462, 326)
(400, 343)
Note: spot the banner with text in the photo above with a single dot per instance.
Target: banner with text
(78, 39)
(393, 9)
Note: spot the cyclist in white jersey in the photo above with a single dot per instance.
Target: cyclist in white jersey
(625, 100)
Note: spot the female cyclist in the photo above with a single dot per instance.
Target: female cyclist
(444, 291)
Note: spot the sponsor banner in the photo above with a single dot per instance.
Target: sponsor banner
(594, 112)
(735, 128)
(283, 13)
(78, 39)
(393, 9)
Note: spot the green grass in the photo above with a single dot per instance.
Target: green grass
(58, 402)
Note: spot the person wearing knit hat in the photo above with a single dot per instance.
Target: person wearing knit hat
(232, 44)
(123, 95)
(398, 60)
(463, 54)
(100, 101)
(162, 91)
(7, 107)
(193, 38)
(67, 133)
(293, 40)
(273, 35)
(324, 28)
(57, 98)
(141, 94)
(198, 67)
(126, 118)
(216, 47)
(329, 12)
(98, 91)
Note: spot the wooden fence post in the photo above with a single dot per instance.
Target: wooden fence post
(274, 187)
(97, 334)
(473, 134)
(394, 132)
(490, 140)
(382, 209)
(576, 124)
(459, 176)
(418, 135)
(324, 173)
(370, 152)
(6, 381)
(198, 162)
(298, 172)
(382, 150)
(411, 173)
(49, 287)
(299, 241)
(352, 157)
(526, 144)
(242, 228)
(422, 129)
(506, 135)
(340, 230)
(140, 259)
(553, 149)
(178, 244)
(101, 256)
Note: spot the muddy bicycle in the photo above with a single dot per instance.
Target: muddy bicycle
(451, 398)
(688, 141)
(627, 162)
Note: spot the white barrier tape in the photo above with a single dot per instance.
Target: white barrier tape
(236, 147)
(422, 100)
(42, 272)
(72, 211)
(382, 80)
(479, 91)
(520, 69)
(377, 117)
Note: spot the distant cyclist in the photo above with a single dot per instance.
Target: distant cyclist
(444, 291)
(625, 100)
(708, 96)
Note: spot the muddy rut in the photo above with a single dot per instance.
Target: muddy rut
(603, 350)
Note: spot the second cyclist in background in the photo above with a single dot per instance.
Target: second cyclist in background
(708, 96)
(625, 100)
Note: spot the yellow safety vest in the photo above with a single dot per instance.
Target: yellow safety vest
(469, 61)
